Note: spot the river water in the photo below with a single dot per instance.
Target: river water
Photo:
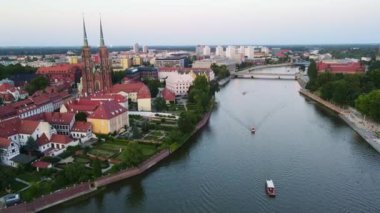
(318, 164)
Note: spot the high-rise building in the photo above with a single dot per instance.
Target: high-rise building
(199, 49)
(136, 48)
(145, 49)
(250, 52)
(219, 51)
(231, 52)
(206, 50)
(95, 76)
(242, 50)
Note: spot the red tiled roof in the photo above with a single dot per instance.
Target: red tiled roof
(41, 164)
(28, 126)
(59, 118)
(349, 67)
(62, 139)
(4, 143)
(107, 110)
(6, 86)
(42, 140)
(9, 127)
(140, 88)
(61, 68)
(41, 99)
(116, 97)
(168, 95)
(80, 126)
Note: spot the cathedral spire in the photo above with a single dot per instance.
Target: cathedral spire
(85, 42)
(101, 34)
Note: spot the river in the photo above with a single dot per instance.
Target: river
(316, 161)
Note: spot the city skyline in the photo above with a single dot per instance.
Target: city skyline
(171, 22)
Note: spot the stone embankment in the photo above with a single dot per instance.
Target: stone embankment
(365, 128)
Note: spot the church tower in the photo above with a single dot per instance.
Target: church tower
(105, 63)
(95, 77)
(87, 74)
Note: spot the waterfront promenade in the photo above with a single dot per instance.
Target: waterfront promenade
(365, 128)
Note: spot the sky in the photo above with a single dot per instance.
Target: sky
(189, 22)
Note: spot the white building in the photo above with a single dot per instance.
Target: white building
(242, 50)
(231, 52)
(178, 80)
(206, 63)
(250, 52)
(136, 48)
(219, 51)
(8, 150)
(206, 50)
(145, 49)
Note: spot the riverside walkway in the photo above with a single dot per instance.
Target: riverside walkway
(366, 128)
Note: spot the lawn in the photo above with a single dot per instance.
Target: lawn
(82, 160)
(30, 176)
(102, 153)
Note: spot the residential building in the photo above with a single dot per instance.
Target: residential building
(69, 73)
(139, 73)
(145, 49)
(206, 63)
(105, 116)
(8, 150)
(179, 80)
(206, 51)
(172, 61)
(9, 93)
(219, 51)
(340, 66)
(137, 60)
(231, 52)
(82, 131)
(136, 48)
(167, 95)
(136, 92)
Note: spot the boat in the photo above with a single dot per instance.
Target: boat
(244, 93)
(269, 187)
(253, 130)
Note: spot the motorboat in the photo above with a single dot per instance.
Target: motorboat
(253, 130)
(270, 189)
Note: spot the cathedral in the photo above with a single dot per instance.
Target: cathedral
(96, 77)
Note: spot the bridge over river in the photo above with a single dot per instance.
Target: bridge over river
(278, 71)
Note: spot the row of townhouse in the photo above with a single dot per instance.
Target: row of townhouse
(42, 128)
(34, 105)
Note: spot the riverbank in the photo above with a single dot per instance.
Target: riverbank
(87, 188)
(365, 128)
(224, 81)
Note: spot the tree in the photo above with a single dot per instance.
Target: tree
(312, 71)
(133, 155)
(117, 77)
(214, 87)
(97, 168)
(187, 121)
(81, 116)
(160, 104)
(37, 83)
(153, 86)
(369, 104)
(31, 145)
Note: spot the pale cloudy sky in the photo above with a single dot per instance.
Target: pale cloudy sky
(189, 22)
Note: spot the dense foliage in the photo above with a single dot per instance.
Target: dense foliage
(153, 85)
(117, 77)
(369, 104)
(220, 71)
(357, 90)
(7, 71)
(81, 116)
(37, 83)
